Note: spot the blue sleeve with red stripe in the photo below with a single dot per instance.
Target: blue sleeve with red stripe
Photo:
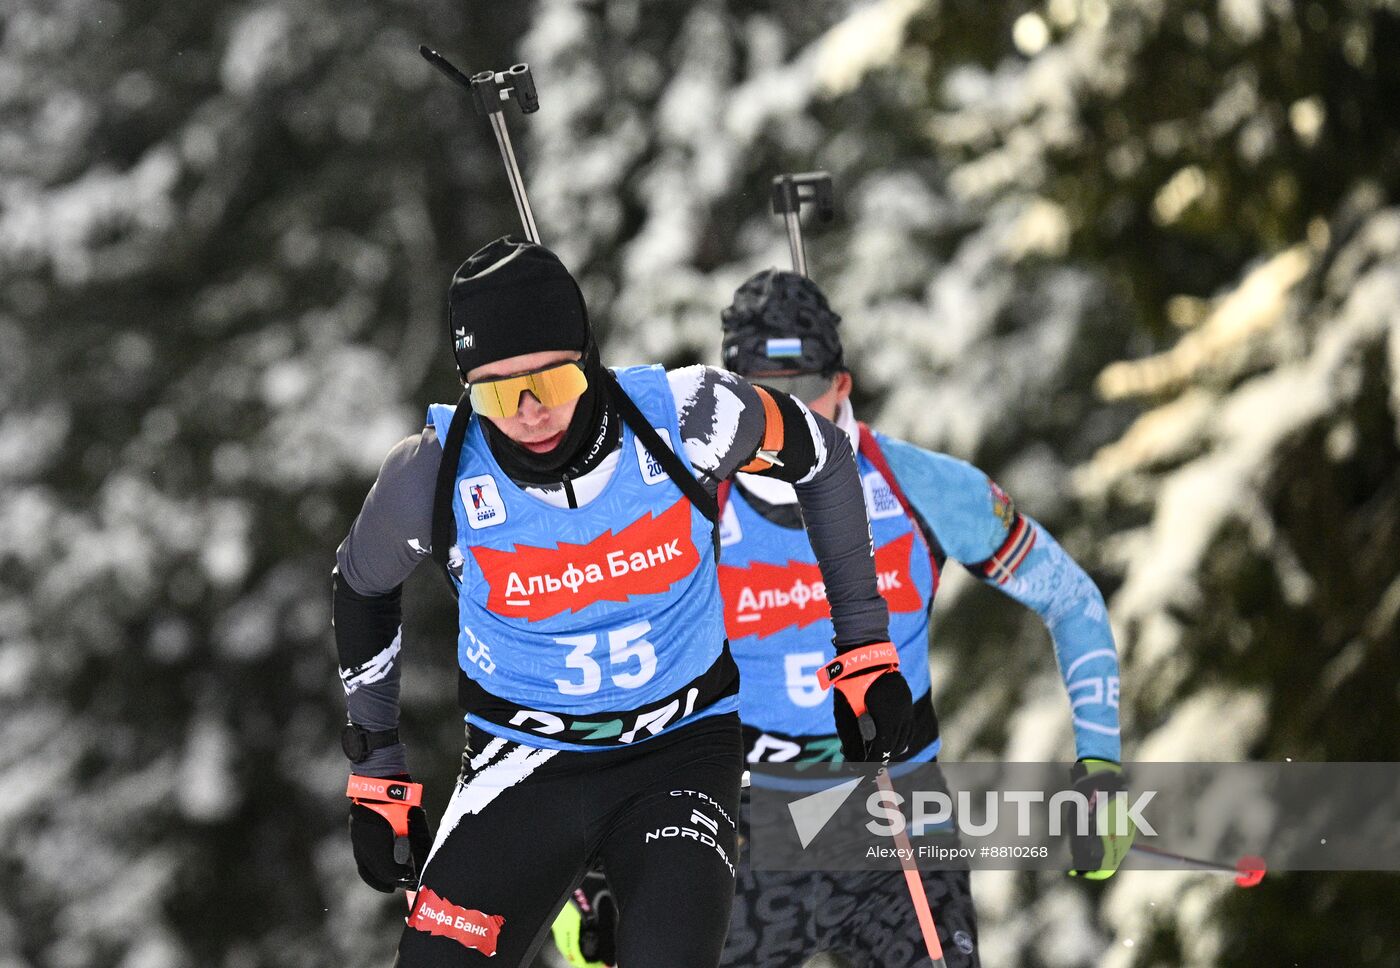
(978, 524)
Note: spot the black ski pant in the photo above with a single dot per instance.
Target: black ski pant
(524, 824)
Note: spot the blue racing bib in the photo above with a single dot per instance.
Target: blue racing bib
(590, 627)
(780, 627)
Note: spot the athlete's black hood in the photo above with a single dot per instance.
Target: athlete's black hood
(511, 298)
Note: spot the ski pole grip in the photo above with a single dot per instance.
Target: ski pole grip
(867, 727)
(391, 799)
(853, 671)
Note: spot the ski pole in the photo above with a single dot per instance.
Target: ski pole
(1249, 870)
(851, 673)
(912, 880)
(490, 90)
(789, 194)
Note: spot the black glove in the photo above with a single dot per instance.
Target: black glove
(1097, 856)
(873, 707)
(383, 865)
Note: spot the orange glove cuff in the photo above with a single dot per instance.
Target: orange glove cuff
(853, 671)
(391, 799)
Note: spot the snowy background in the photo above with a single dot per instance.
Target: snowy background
(1138, 259)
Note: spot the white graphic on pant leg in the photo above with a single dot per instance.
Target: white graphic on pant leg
(477, 791)
(488, 753)
(700, 828)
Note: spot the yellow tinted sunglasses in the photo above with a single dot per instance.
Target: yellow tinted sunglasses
(552, 385)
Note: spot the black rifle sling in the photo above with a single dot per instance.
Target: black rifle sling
(444, 530)
(666, 457)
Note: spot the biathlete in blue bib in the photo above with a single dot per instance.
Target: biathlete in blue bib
(574, 511)
(924, 509)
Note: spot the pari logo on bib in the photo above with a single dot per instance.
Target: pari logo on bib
(485, 509)
(645, 558)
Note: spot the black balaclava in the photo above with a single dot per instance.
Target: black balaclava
(780, 322)
(511, 298)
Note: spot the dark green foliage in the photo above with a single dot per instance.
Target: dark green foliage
(225, 234)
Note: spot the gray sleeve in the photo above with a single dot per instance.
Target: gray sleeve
(386, 542)
(722, 423)
(393, 531)
(833, 510)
